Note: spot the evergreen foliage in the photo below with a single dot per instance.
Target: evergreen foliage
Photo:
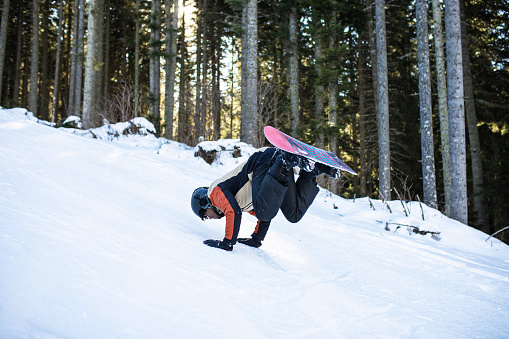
(333, 54)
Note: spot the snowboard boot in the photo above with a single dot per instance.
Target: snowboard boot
(308, 176)
(294, 160)
(278, 169)
(332, 172)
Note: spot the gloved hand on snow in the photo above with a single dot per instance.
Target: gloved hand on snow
(224, 245)
(250, 242)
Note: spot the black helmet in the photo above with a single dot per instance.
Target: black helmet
(200, 201)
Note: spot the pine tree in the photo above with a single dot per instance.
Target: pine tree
(137, 59)
(155, 63)
(79, 62)
(427, 149)
(249, 119)
(384, 155)
(171, 63)
(93, 68)
(293, 69)
(34, 65)
(57, 62)
(3, 40)
(442, 101)
(473, 133)
(455, 101)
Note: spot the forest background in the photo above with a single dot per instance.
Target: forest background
(363, 78)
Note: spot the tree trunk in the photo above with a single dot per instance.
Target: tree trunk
(44, 87)
(353, 109)
(157, 67)
(79, 60)
(333, 83)
(372, 51)
(198, 110)
(3, 41)
(473, 134)
(57, 62)
(249, 114)
(26, 77)
(171, 64)
(17, 69)
(455, 101)
(384, 155)
(66, 58)
(243, 68)
(319, 90)
(74, 61)
(204, 83)
(155, 62)
(125, 52)
(216, 88)
(106, 54)
(93, 67)
(293, 69)
(427, 149)
(362, 119)
(34, 66)
(182, 110)
(333, 184)
(137, 60)
(442, 102)
(232, 85)
(370, 157)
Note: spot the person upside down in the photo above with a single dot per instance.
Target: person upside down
(261, 186)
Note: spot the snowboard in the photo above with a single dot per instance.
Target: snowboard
(292, 145)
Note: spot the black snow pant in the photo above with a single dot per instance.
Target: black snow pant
(269, 195)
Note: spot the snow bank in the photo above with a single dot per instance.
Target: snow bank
(97, 240)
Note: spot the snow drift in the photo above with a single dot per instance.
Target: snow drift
(97, 240)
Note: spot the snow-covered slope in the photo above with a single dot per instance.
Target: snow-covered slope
(97, 240)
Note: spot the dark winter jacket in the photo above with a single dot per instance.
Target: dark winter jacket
(232, 194)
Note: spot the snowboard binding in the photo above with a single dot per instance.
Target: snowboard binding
(291, 160)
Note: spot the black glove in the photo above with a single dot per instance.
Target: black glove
(219, 244)
(250, 242)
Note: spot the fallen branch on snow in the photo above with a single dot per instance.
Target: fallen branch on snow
(411, 229)
(503, 229)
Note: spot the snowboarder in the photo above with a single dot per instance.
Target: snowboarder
(260, 186)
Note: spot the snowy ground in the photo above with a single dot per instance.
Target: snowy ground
(97, 240)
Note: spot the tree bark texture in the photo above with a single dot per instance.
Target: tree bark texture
(384, 155)
(3, 39)
(93, 67)
(155, 61)
(54, 113)
(362, 119)
(319, 93)
(473, 133)
(204, 82)
(34, 65)
(333, 87)
(106, 53)
(44, 82)
(427, 148)
(249, 114)
(17, 68)
(137, 60)
(199, 128)
(442, 102)
(181, 129)
(293, 70)
(171, 65)
(79, 62)
(74, 61)
(455, 102)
